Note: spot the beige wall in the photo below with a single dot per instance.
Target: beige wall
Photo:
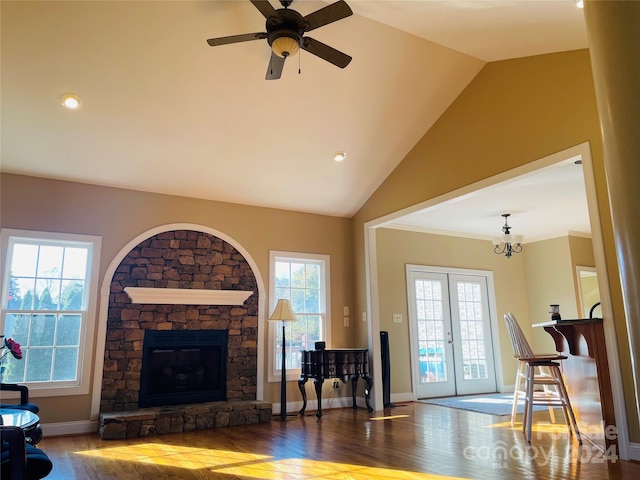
(581, 252)
(582, 256)
(397, 248)
(120, 215)
(550, 279)
(513, 112)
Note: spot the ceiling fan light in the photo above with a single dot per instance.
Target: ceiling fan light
(285, 46)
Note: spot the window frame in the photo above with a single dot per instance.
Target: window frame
(8, 238)
(275, 374)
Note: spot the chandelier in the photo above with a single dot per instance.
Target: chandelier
(507, 244)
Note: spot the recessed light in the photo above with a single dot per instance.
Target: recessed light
(70, 101)
(339, 156)
(580, 3)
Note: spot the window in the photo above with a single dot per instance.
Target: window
(48, 307)
(304, 280)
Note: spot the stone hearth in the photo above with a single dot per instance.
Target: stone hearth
(146, 422)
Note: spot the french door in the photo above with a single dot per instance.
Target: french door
(450, 327)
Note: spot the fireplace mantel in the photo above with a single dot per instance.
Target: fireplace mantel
(186, 296)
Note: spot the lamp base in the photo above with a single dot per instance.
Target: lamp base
(283, 384)
(286, 416)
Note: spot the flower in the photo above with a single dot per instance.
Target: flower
(10, 345)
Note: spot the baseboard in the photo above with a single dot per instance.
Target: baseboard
(69, 428)
(634, 451)
(402, 397)
(327, 404)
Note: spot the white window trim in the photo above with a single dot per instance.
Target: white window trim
(85, 350)
(293, 374)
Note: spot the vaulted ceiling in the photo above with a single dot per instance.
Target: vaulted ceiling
(163, 112)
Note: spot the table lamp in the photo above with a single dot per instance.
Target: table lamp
(283, 313)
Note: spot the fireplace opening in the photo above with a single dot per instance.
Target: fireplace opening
(183, 367)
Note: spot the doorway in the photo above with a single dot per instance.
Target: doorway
(450, 328)
(375, 322)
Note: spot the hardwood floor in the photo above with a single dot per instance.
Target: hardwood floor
(410, 441)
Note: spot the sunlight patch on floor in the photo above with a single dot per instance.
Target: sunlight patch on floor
(176, 456)
(390, 417)
(260, 467)
(538, 427)
(310, 469)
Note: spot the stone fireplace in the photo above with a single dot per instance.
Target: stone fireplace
(180, 260)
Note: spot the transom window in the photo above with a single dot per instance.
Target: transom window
(304, 280)
(48, 299)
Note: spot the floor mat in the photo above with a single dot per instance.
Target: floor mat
(491, 404)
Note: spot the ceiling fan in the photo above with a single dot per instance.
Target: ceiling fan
(285, 34)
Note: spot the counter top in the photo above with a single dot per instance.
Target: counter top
(568, 321)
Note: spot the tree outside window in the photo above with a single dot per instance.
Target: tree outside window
(45, 308)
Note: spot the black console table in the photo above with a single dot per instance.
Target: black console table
(343, 364)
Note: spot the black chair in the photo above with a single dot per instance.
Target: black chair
(19, 460)
(34, 435)
(24, 397)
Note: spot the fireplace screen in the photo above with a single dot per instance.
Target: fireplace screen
(183, 367)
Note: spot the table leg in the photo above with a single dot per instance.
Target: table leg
(367, 391)
(301, 381)
(318, 384)
(354, 389)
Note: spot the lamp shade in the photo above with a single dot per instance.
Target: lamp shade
(283, 312)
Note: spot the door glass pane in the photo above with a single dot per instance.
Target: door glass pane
(431, 331)
(474, 358)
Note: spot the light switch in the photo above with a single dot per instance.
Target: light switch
(346, 321)
(364, 316)
(397, 318)
(346, 311)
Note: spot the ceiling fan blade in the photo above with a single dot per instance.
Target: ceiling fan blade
(329, 14)
(326, 52)
(245, 37)
(276, 64)
(265, 8)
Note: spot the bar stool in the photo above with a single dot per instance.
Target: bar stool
(519, 389)
(541, 370)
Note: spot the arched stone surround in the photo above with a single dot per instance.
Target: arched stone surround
(185, 259)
